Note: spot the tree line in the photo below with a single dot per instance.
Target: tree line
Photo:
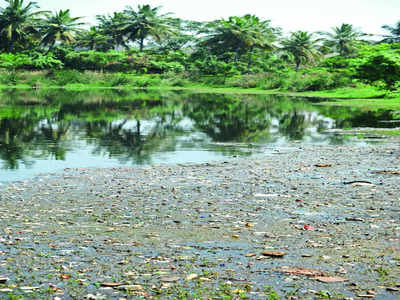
(129, 39)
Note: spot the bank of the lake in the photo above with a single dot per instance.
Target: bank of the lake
(356, 95)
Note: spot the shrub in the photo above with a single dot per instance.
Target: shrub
(10, 77)
(381, 67)
(64, 77)
(31, 61)
(145, 81)
(93, 60)
(118, 79)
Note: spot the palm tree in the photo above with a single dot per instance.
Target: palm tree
(394, 36)
(60, 27)
(342, 38)
(94, 39)
(114, 27)
(240, 35)
(147, 22)
(302, 47)
(17, 22)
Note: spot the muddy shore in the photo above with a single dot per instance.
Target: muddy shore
(305, 222)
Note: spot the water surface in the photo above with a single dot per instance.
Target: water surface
(47, 131)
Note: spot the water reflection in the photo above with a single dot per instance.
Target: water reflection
(135, 127)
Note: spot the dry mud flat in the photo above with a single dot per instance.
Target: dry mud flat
(305, 222)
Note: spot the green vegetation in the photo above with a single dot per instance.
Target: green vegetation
(140, 47)
(371, 104)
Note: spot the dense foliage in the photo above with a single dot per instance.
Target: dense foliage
(243, 51)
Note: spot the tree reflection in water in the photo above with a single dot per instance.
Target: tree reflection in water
(132, 126)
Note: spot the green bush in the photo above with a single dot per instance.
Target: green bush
(31, 61)
(117, 79)
(93, 60)
(10, 77)
(145, 81)
(175, 79)
(64, 77)
(381, 67)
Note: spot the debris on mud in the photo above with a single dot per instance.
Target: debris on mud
(252, 228)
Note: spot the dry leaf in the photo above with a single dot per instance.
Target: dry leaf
(111, 284)
(354, 219)
(359, 182)
(250, 254)
(330, 279)
(301, 271)
(388, 172)
(274, 253)
(323, 165)
(236, 236)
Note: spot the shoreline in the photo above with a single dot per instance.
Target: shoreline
(200, 230)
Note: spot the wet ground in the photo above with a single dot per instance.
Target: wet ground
(306, 222)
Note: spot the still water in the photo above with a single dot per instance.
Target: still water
(47, 131)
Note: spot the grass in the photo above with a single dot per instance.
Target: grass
(358, 92)
(371, 104)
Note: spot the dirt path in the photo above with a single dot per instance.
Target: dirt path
(207, 231)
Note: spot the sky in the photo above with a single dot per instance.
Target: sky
(290, 15)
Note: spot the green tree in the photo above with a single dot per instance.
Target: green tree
(240, 35)
(114, 28)
(383, 67)
(394, 33)
(59, 27)
(302, 47)
(146, 22)
(343, 38)
(183, 36)
(18, 23)
(94, 39)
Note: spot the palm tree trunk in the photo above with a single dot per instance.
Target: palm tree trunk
(11, 46)
(297, 66)
(341, 48)
(141, 44)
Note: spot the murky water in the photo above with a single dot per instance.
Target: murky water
(47, 131)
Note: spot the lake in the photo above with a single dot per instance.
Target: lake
(49, 130)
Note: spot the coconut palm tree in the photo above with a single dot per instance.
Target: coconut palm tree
(94, 39)
(394, 36)
(17, 22)
(302, 47)
(61, 27)
(114, 27)
(146, 22)
(342, 38)
(240, 35)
